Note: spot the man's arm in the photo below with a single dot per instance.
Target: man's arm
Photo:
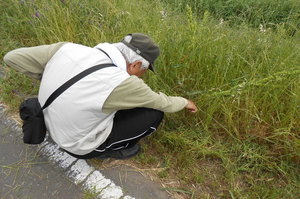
(32, 60)
(133, 92)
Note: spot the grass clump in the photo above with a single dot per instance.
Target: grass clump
(251, 12)
(244, 141)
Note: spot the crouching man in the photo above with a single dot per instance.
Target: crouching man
(106, 113)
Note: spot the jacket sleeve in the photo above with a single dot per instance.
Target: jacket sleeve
(31, 60)
(133, 92)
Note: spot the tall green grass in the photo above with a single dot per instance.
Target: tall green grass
(244, 141)
(250, 12)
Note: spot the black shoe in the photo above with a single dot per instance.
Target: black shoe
(121, 154)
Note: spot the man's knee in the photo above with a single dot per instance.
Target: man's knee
(156, 116)
(159, 114)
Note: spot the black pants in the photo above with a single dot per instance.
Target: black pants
(128, 128)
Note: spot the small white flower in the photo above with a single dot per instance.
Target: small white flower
(221, 21)
(163, 14)
(261, 28)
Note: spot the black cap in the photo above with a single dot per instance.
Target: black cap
(143, 46)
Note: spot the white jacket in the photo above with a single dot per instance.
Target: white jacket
(75, 120)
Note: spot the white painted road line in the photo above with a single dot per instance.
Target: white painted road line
(81, 173)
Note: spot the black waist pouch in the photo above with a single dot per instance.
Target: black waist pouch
(34, 128)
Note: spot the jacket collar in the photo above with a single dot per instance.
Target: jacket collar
(115, 55)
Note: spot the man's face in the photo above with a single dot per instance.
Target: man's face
(136, 69)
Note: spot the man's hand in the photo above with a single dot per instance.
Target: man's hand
(191, 107)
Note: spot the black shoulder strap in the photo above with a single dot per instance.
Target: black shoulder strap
(104, 52)
(72, 81)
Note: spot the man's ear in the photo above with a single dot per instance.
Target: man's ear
(137, 64)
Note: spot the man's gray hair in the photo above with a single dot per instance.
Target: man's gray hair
(129, 55)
